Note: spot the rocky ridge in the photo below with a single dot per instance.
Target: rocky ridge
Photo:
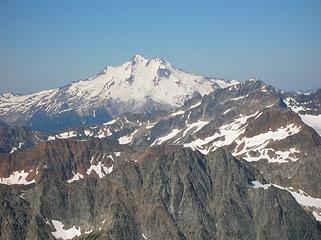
(239, 161)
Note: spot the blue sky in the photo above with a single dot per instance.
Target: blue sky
(46, 44)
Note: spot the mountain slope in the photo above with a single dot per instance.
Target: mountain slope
(144, 155)
(138, 85)
(16, 138)
(165, 192)
(251, 120)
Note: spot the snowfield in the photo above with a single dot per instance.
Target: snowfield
(133, 83)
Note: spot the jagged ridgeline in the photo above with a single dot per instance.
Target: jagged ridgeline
(167, 192)
(182, 157)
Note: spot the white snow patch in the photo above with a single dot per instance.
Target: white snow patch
(13, 150)
(88, 133)
(111, 122)
(225, 84)
(225, 112)
(16, 148)
(76, 177)
(144, 236)
(260, 141)
(196, 126)
(177, 113)
(257, 184)
(64, 135)
(313, 121)
(99, 168)
(225, 135)
(278, 156)
(68, 134)
(294, 105)
(17, 178)
(172, 134)
(195, 105)
(89, 231)
(103, 134)
(151, 125)
(317, 216)
(237, 98)
(64, 234)
(127, 139)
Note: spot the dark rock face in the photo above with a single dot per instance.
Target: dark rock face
(15, 214)
(165, 192)
(304, 174)
(15, 138)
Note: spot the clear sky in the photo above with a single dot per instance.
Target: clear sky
(46, 44)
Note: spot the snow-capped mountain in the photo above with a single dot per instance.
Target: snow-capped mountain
(137, 85)
(145, 167)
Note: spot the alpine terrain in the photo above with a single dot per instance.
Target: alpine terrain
(145, 150)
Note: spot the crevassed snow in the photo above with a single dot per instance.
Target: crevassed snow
(76, 177)
(302, 198)
(17, 177)
(127, 139)
(65, 234)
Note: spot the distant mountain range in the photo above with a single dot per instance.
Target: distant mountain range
(147, 151)
(138, 85)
